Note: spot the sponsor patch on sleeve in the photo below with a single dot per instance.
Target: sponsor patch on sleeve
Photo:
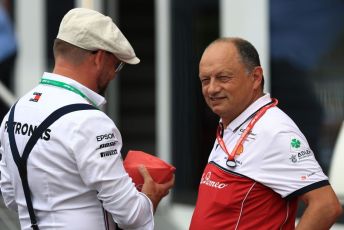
(106, 145)
(108, 153)
(299, 151)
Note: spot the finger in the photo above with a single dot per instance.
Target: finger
(144, 173)
(166, 192)
(170, 183)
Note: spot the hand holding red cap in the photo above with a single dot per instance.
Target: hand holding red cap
(151, 175)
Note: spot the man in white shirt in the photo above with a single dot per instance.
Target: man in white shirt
(74, 171)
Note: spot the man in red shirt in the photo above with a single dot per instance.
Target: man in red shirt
(261, 163)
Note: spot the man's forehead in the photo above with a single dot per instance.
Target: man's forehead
(220, 50)
(219, 55)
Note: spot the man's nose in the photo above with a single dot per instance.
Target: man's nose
(213, 87)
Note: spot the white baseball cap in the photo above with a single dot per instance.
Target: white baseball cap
(91, 30)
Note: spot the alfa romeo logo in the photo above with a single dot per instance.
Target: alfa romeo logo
(295, 143)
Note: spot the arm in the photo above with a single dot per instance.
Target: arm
(6, 186)
(7, 190)
(96, 146)
(322, 209)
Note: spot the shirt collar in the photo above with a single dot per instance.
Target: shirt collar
(95, 97)
(249, 111)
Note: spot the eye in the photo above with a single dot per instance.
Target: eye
(223, 78)
(205, 80)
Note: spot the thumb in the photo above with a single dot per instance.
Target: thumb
(144, 173)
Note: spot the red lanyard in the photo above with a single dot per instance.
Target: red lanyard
(231, 162)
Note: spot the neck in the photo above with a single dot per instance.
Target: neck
(225, 121)
(77, 74)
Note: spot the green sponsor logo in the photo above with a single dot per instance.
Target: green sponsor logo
(295, 143)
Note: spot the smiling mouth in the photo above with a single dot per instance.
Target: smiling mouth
(216, 98)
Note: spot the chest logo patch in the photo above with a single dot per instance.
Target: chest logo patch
(240, 149)
(36, 97)
(206, 180)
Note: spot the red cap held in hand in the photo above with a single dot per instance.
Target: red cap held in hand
(160, 171)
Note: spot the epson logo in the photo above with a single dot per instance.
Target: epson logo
(108, 153)
(109, 144)
(105, 137)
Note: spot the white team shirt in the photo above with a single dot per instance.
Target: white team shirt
(75, 169)
(275, 153)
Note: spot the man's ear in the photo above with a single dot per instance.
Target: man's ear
(99, 59)
(257, 74)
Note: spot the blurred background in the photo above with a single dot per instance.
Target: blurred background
(158, 105)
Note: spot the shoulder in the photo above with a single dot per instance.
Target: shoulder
(275, 122)
(88, 129)
(89, 119)
(279, 136)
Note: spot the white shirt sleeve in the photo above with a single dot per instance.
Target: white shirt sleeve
(97, 150)
(288, 163)
(6, 186)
